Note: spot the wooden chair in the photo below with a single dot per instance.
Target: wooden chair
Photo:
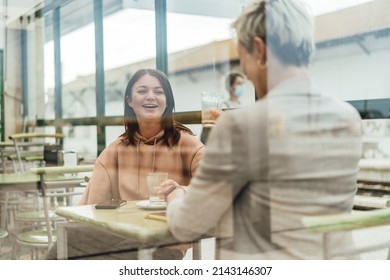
(330, 224)
(29, 147)
(57, 187)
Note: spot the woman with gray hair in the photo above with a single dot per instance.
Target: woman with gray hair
(293, 153)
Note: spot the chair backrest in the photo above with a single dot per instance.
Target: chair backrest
(30, 146)
(6, 149)
(3, 233)
(59, 182)
(29, 124)
(329, 224)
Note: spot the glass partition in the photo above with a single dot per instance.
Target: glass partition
(129, 44)
(201, 51)
(81, 139)
(67, 63)
(51, 49)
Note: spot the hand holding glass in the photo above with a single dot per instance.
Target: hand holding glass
(211, 108)
(154, 180)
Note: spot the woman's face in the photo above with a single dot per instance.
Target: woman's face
(238, 81)
(147, 98)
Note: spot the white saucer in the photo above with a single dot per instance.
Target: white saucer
(145, 204)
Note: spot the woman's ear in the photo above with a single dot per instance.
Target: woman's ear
(129, 101)
(260, 50)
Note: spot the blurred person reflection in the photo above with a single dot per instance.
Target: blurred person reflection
(293, 153)
(235, 86)
(152, 142)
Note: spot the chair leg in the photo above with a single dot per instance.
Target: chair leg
(326, 249)
(15, 251)
(34, 253)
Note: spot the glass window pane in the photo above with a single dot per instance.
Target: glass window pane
(49, 78)
(129, 44)
(113, 132)
(78, 61)
(201, 50)
(81, 139)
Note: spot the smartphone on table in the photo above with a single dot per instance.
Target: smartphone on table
(111, 204)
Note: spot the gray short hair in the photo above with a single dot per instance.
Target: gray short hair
(285, 25)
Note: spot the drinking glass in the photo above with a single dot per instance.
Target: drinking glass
(153, 180)
(211, 108)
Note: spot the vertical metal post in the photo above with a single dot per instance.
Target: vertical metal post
(145, 253)
(23, 35)
(2, 116)
(62, 241)
(326, 246)
(57, 62)
(100, 96)
(161, 36)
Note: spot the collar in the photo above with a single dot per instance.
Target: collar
(298, 85)
(151, 141)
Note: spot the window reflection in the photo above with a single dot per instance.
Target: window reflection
(129, 44)
(353, 46)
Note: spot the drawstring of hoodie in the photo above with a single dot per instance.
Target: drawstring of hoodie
(154, 161)
(154, 154)
(139, 140)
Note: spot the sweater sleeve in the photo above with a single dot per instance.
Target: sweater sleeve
(196, 159)
(211, 191)
(99, 187)
(103, 181)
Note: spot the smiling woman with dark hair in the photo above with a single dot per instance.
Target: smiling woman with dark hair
(152, 142)
(172, 129)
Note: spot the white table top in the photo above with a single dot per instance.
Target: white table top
(128, 221)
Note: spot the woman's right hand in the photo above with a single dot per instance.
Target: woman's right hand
(170, 190)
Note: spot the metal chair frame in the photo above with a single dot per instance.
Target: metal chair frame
(50, 189)
(329, 224)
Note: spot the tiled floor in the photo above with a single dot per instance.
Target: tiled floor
(366, 236)
(373, 236)
(6, 250)
(360, 237)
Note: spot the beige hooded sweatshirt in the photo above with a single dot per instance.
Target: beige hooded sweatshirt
(120, 170)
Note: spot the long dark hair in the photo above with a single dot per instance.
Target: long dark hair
(169, 125)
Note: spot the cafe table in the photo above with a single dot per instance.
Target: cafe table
(32, 180)
(126, 221)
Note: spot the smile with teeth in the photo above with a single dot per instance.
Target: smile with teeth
(149, 106)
